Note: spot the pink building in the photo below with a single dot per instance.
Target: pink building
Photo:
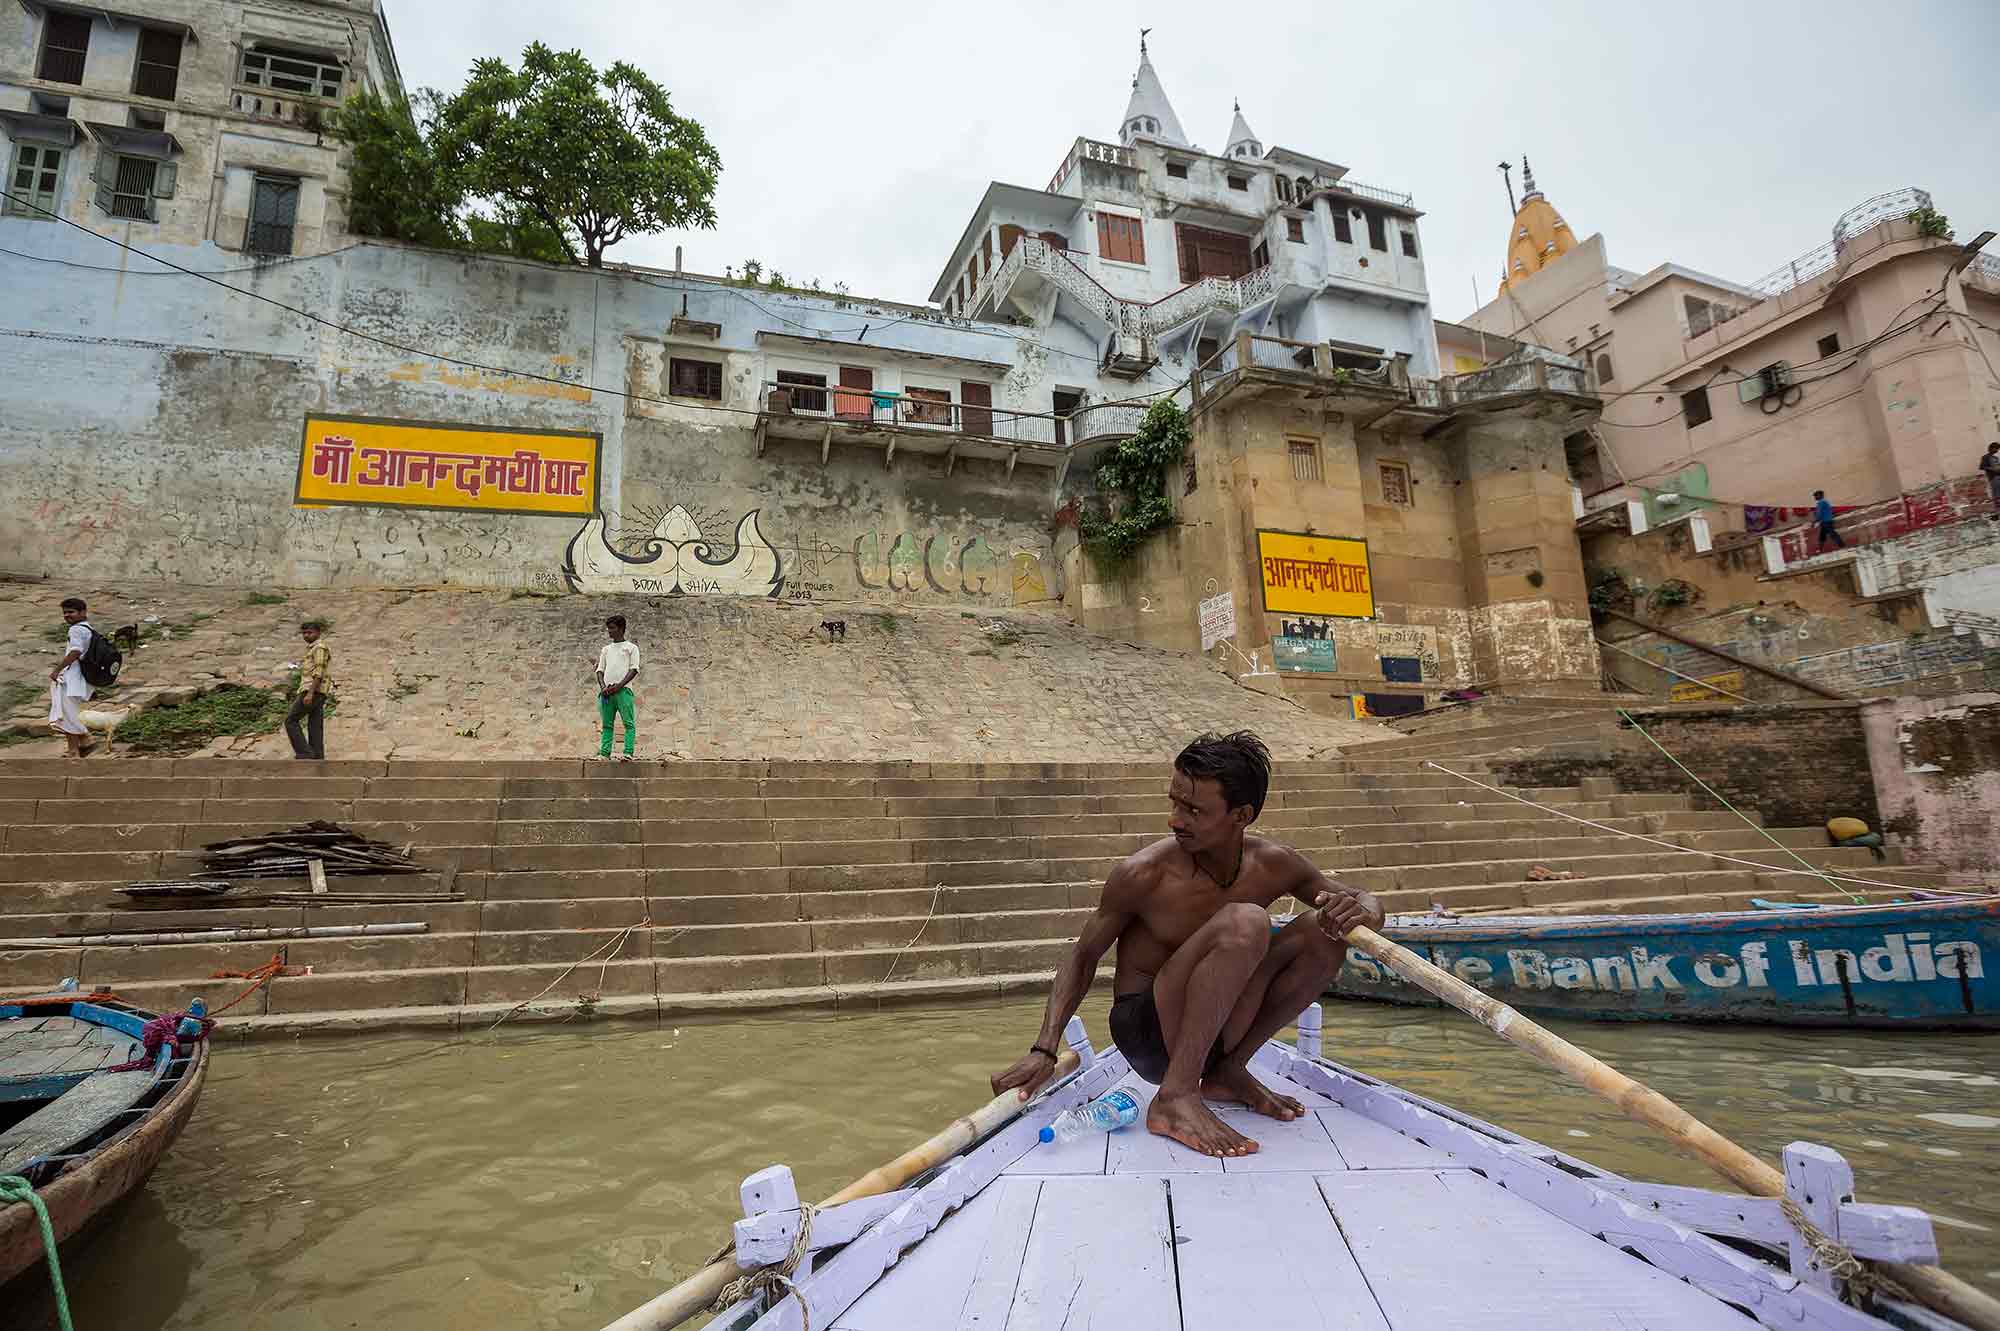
(1864, 368)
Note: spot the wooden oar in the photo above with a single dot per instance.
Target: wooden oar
(698, 1291)
(1934, 1287)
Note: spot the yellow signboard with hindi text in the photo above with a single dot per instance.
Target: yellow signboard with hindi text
(1315, 575)
(427, 464)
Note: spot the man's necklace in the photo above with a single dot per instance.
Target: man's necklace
(1221, 886)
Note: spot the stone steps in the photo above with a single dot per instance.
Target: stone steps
(767, 884)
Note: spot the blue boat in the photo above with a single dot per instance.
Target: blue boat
(1902, 964)
(92, 1093)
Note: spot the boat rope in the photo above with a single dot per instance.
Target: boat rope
(895, 961)
(1838, 1260)
(614, 947)
(1719, 798)
(774, 1280)
(1656, 841)
(14, 1188)
(258, 976)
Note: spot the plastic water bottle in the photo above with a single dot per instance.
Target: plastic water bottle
(1108, 1113)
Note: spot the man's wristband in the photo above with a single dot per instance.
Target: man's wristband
(1049, 1054)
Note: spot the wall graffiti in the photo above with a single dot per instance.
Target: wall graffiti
(933, 563)
(678, 559)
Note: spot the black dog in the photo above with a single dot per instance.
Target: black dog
(835, 628)
(126, 637)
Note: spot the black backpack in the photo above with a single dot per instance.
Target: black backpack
(101, 661)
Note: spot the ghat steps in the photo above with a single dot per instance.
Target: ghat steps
(707, 886)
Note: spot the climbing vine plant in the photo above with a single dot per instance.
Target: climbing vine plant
(1135, 470)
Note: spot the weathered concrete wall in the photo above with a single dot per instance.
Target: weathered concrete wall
(152, 428)
(1798, 765)
(1937, 774)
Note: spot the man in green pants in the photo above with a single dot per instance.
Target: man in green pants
(617, 667)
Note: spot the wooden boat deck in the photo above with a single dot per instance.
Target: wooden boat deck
(40, 1055)
(1338, 1222)
(1379, 1210)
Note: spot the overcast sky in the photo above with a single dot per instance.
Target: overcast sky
(857, 137)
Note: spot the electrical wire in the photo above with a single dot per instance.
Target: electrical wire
(277, 262)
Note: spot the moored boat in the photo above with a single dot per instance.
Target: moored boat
(1377, 1209)
(90, 1100)
(1908, 964)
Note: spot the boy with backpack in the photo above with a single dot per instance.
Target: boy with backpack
(91, 661)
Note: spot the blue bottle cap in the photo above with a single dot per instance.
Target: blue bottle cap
(1048, 1134)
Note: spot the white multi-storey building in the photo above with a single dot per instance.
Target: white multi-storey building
(1152, 252)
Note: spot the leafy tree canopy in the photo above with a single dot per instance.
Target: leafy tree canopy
(553, 161)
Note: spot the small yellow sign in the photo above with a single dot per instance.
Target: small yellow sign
(1315, 575)
(427, 464)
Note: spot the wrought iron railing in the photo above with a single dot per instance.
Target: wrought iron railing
(1868, 213)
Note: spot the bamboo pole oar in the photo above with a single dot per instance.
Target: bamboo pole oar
(698, 1291)
(1933, 1286)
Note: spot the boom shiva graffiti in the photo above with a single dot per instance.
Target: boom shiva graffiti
(676, 557)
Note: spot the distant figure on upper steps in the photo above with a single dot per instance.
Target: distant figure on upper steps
(617, 667)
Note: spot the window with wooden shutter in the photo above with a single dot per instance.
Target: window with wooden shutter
(34, 186)
(274, 211)
(1409, 243)
(128, 186)
(1206, 253)
(694, 378)
(1378, 232)
(1120, 239)
(1295, 230)
(1261, 256)
(1342, 230)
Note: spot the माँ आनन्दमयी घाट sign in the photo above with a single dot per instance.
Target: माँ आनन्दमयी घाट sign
(361, 460)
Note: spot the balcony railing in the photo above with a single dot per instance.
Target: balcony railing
(1038, 256)
(1396, 198)
(1090, 150)
(999, 425)
(1868, 213)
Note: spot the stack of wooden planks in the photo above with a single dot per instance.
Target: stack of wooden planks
(291, 853)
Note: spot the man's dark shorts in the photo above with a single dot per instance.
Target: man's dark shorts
(1135, 1029)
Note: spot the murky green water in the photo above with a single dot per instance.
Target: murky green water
(556, 1178)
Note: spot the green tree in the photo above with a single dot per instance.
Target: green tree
(396, 186)
(593, 157)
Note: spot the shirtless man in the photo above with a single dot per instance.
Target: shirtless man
(1202, 981)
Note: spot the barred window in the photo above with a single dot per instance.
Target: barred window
(1305, 459)
(297, 72)
(130, 187)
(694, 378)
(1395, 483)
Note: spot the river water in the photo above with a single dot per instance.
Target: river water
(556, 1177)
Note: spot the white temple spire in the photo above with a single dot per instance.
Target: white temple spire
(1149, 113)
(1242, 141)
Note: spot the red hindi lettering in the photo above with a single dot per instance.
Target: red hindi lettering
(332, 457)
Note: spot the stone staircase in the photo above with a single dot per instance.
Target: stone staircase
(770, 884)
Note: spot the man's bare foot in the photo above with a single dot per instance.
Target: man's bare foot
(1194, 1125)
(1239, 1087)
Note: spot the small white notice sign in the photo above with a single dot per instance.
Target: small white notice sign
(1218, 619)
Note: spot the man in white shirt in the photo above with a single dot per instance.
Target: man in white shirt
(617, 667)
(68, 689)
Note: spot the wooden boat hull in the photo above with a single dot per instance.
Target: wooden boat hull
(92, 1185)
(1915, 964)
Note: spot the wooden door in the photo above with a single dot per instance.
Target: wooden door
(975, 413)
(852, 406)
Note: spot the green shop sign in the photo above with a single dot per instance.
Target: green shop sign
(1315, 654)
